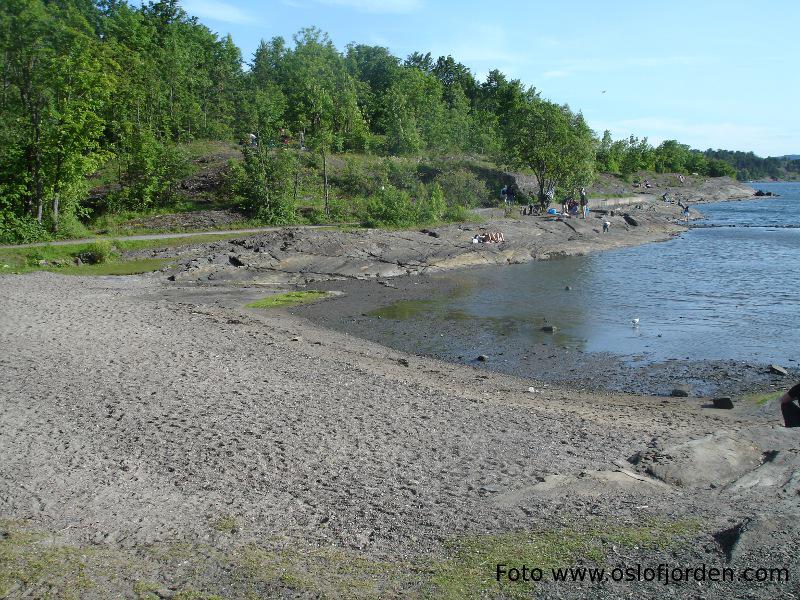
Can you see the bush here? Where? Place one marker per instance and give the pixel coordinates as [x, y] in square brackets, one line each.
[262, 185]
[354, 180]
[457, 213]
[20, 230]
[390, 208]
[152, 172]
[98, 252]
[463, 188]
[401, 174]
[433, 206]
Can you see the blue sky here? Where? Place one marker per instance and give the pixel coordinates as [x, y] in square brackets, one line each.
[721, 74]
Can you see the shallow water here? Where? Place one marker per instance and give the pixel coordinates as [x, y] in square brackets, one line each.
[727, 290]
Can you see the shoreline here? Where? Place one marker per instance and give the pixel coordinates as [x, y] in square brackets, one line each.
[175, 416]
[374, 268]
[201, 446]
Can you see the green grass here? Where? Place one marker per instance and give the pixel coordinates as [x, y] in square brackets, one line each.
[61, 259]
[35, 564]
[470, 572]
[288, 299]
[125, 267]
[761, 398]
[225, 524]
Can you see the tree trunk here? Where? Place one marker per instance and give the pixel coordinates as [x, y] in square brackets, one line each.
[55, 211]
[325, 185]
[296, 181]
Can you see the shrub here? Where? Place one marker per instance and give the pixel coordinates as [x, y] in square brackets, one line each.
[390, 208]
[457, 213]
[432, 207]
[401, 174]
[20, 230]
[463, 188]
[98, 252]
[354, 180]
[262, 185]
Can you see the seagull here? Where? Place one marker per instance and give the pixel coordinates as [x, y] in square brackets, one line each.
[603, 92]
[635, 321]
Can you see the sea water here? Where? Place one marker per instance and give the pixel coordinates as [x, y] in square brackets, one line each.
[727, 289]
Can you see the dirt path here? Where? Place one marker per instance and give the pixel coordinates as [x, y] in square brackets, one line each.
[164, 236]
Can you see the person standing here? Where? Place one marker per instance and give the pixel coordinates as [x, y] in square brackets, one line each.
[686, 213]
[790, 408]
[584, 203]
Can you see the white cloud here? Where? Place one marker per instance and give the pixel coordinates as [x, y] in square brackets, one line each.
[217, 11]
[378, 6]
[568, 67]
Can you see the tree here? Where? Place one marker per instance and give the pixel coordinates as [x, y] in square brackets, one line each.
[671, 157]
[554, 143]
[262, 184]
[56, 81]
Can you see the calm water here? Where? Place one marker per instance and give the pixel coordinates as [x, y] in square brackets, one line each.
[728, 290]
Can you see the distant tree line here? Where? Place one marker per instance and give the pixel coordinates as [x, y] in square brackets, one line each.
[749, 166]
[91, 83]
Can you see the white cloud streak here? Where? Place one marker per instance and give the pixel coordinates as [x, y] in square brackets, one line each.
[377, 6]
[217, 11]
[567, 68]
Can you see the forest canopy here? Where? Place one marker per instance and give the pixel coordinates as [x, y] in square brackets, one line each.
[91, 83]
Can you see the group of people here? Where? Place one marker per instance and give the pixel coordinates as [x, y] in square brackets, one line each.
[572, 208]
[489, 237]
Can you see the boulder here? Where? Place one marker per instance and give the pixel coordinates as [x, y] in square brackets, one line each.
[681, 391]
[723, 402]
[483, 358]
[630, 220]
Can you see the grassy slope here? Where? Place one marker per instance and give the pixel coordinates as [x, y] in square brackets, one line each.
[61, 259]
[209, 159]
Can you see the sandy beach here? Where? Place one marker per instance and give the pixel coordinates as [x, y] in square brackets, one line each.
[160, 440]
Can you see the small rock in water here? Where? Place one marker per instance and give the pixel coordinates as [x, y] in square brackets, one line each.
[723, 402]
[483, 358]
[550, 328]
[777, 369]
[568, 288]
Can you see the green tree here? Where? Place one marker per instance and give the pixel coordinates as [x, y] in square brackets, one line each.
[56, 82]
[262, 184]
[552, 142]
